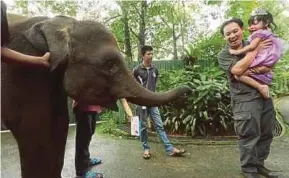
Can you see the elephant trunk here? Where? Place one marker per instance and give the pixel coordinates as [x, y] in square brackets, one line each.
[137, 94]
[149, 98]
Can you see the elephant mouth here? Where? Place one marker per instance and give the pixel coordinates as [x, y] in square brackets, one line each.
[107, 100]
[104, 100]
[111, 105]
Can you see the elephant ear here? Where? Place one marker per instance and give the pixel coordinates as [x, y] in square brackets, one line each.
[52, 35]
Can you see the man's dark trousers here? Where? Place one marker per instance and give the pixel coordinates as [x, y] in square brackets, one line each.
[85, 128]
[254, 124]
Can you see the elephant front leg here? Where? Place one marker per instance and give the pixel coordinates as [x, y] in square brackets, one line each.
[42, 146]
[60, 136]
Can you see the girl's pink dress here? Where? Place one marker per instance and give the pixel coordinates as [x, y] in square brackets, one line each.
[268, 56]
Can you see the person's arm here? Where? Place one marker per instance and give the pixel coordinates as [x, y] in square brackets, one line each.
[253, 45]
[242, 65]
[135, 73]
[227, 62]
[14, 56]
[257, 70]
[261, 69]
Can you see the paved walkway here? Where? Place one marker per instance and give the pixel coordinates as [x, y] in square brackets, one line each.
[122, 159]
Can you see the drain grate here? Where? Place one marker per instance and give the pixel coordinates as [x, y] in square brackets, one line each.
[124, 127]
[279, 127]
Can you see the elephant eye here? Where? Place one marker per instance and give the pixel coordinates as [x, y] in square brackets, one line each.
[109, 64]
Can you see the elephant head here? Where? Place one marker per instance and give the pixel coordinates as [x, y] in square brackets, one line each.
[94, 70]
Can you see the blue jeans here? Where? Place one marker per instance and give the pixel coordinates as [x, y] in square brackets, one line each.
[154, 114]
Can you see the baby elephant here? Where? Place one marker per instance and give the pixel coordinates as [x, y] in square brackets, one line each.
[85, 65]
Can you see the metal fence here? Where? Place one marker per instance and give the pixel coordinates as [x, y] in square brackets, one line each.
[163, 64]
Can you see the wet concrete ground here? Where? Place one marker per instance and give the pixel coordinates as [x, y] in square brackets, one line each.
[123, 159]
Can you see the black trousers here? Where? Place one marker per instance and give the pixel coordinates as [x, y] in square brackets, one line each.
[85, 128]
[254, 124]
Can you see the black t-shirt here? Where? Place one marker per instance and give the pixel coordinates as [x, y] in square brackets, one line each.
[4, 25]
[147, 77]
[240, 92]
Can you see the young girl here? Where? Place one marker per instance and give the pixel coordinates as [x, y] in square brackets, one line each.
[14, 56]
[260, 25]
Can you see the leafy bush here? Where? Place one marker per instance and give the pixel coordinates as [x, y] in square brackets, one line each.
[110, 121]
[206, 111]
[280, 85]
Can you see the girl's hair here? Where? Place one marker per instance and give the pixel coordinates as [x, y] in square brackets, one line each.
[264, 16]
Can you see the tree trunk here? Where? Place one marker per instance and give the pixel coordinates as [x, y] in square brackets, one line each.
[142, 26]
[183, 25]
[175, 43]
[127, 44]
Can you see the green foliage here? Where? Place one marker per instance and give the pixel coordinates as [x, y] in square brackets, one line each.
[168, 79]
[110, 122]
[117, 27]
[108, 127]
[206, 50]
[280, 85]
[32, 8]
[206, 111]
[23, 5]
[62, 8]
[112, 119]
[242, 10]
[160, 19]
[276, 8]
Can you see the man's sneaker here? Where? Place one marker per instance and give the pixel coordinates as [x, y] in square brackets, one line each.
[266, 172]
[251, 174]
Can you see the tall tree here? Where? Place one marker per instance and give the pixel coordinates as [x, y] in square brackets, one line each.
[34, 8]
[127, 44]
[142, 27]
[169, 25]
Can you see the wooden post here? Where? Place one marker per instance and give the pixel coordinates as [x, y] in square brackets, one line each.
[129, 112]
[126, 109]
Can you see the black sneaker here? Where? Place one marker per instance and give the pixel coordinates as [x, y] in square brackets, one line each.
[251, 174]
[266, 172]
